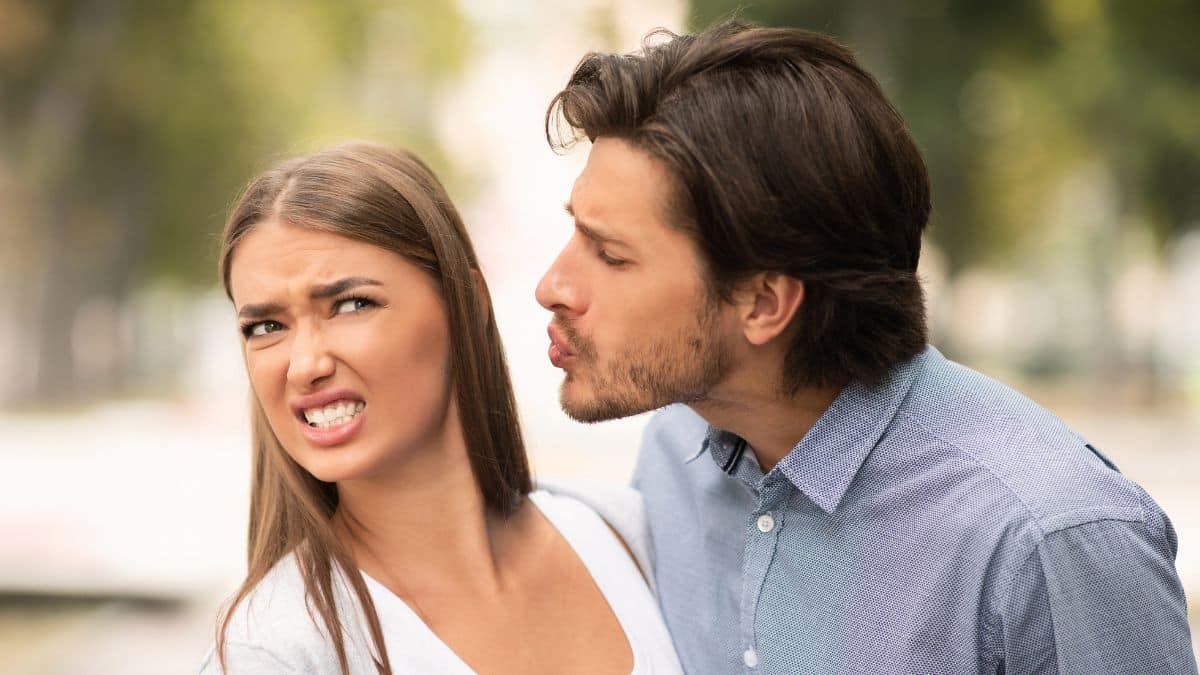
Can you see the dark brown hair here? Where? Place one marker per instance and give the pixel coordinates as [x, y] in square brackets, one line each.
[790, 159]
[388, 198]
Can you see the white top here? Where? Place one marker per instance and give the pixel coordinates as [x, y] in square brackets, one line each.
[271, 631]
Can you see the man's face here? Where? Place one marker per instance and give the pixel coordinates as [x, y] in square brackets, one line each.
[635, 326]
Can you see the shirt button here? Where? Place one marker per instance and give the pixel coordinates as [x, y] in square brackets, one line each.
[766, 523]
[750, 658]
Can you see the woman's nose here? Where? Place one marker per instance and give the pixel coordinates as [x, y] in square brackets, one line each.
[311, 361]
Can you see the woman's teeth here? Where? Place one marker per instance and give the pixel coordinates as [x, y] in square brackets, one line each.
[333, 415]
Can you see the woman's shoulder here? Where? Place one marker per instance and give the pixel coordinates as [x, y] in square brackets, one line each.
[595, 518]
[619, 506]
[601, 497]
[277, 607]
[274, 629]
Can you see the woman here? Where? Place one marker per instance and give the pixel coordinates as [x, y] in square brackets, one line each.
[392, 528]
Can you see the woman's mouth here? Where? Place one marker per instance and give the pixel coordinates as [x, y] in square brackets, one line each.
[333, 415]
[333, 423]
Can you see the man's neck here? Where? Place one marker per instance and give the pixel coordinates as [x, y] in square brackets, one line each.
[770, 422]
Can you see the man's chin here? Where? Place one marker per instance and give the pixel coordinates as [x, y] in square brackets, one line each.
[589, 409]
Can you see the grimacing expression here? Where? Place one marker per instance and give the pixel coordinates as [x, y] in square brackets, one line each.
[346, 347]
[635, 325]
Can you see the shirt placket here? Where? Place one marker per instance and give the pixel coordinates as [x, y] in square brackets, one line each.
[762, 537]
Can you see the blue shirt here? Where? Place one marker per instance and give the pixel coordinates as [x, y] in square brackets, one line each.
[937, 523]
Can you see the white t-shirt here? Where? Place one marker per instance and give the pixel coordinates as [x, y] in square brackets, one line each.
[271, 630]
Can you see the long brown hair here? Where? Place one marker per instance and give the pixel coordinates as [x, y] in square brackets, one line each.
[389, 198]
[789, 158]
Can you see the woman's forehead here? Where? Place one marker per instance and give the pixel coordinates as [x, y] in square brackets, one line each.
[275, 253]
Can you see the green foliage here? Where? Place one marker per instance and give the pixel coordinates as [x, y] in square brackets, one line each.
[191, 98]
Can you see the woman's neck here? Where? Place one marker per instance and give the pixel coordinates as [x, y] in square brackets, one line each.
[422, 525]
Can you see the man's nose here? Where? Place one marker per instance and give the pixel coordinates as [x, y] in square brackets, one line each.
[311, 360]
[559, 290]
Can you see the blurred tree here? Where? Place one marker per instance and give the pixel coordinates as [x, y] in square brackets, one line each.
[126, 127]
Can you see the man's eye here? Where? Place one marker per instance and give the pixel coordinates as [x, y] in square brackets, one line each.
[260, 328]
[351, 305]
[609, 260]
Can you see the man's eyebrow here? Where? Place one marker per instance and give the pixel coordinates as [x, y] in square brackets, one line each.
[590, 231]
[258, 311]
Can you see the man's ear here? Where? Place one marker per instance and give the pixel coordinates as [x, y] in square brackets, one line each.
[483, 301]
[769, 301]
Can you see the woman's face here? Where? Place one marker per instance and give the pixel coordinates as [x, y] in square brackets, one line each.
[346, 346]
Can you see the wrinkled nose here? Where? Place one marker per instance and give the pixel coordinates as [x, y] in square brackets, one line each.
[311, 361]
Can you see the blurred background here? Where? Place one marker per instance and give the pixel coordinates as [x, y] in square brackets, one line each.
[1062, 136]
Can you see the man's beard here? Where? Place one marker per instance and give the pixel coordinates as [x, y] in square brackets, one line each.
[682, 367]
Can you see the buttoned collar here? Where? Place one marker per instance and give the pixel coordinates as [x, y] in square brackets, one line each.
[828, 457]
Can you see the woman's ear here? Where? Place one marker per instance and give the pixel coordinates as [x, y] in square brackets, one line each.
[768, 303]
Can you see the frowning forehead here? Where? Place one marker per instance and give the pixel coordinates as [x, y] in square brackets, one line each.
[623, 194]
[276, 264]
[595, 231]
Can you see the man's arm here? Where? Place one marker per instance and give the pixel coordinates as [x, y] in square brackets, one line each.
[1099, 597]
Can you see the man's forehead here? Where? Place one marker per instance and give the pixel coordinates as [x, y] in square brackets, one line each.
[623, 192]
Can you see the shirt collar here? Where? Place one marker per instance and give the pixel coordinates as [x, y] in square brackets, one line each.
[825, 461]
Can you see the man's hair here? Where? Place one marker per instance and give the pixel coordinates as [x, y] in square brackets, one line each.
[788, 158]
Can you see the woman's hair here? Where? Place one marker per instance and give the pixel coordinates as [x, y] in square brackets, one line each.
[388, 198]
[787, 157]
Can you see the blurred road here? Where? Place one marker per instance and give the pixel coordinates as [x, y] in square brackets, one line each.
[126, 573]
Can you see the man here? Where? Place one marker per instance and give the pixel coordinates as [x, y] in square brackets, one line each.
[833, 495]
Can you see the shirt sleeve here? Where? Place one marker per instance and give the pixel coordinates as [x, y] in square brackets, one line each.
[1100, 597]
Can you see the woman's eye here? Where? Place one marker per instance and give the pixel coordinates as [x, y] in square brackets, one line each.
[351, 305]
[260, 328]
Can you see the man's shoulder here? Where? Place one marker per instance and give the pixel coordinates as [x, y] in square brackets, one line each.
[674, 432]
[1054, 475]
[672, 466]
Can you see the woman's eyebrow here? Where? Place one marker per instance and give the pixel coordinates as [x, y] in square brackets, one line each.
[258, 311]
[340, 286]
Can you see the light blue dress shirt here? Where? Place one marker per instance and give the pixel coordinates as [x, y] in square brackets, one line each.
[938, 523]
